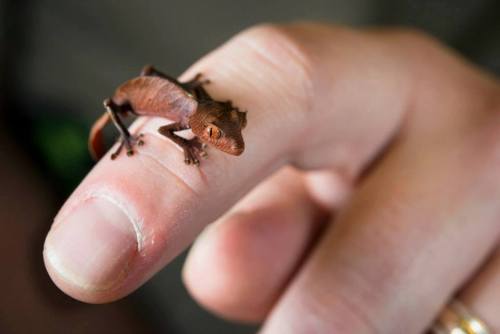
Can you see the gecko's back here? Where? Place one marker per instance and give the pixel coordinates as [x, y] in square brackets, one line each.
[155, 96]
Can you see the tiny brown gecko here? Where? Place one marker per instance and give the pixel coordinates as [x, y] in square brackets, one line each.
[153, 93]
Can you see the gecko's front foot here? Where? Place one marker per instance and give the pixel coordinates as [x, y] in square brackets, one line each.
[193, 150]
[129, 143]
[190, 157]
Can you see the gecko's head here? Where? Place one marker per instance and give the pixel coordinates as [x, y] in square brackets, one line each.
[217, 126]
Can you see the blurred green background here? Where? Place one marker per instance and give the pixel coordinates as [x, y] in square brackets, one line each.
[60, 59]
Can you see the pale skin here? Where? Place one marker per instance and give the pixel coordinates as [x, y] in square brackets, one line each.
[374, 155]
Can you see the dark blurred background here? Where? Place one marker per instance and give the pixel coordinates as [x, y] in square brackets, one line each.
[59, 59]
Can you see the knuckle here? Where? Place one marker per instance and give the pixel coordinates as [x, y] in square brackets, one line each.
[281, 49]
[350, 315]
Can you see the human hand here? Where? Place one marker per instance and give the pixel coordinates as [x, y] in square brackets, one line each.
[390, 207]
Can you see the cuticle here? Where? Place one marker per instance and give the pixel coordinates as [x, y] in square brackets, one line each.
[107, 196]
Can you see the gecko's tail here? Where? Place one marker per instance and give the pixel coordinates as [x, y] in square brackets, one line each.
[96, 140]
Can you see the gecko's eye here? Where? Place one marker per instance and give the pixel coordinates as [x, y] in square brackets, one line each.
[213, 132]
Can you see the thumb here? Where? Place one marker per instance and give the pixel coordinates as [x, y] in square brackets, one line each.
[316, 97]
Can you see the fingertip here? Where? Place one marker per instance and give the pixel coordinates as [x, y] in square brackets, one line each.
[218, 272]
[88, 253]
[239, 266]
[75, 291]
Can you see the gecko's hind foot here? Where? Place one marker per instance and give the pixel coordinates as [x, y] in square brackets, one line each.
[129, 144]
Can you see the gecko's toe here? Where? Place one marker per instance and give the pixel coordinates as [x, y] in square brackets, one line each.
[130, 153]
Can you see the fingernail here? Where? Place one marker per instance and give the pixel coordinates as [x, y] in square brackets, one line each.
[93, 246]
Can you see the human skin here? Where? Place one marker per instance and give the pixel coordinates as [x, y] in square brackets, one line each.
[366, 198]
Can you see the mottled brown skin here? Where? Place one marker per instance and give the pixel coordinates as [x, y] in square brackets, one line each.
[153, 93]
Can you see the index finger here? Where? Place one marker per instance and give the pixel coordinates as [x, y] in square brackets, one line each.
[316, 97]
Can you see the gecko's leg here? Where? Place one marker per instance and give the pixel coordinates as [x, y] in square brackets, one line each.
[126, 139]
[192, 148]
[196, 82]
[193, 86]
[150, 71]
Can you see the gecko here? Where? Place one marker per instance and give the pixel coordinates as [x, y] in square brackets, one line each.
[187, 104]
